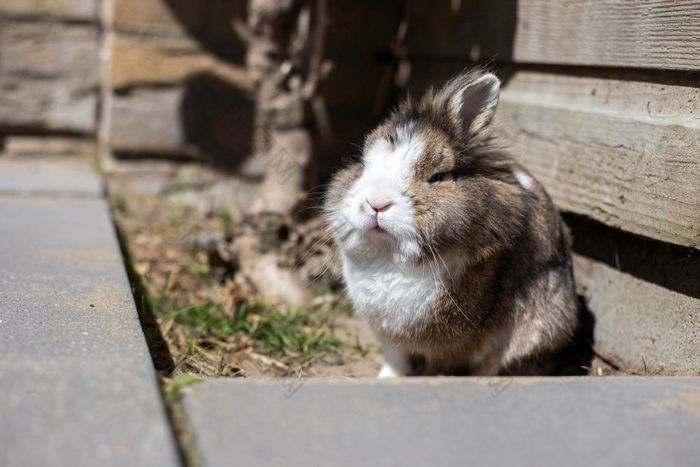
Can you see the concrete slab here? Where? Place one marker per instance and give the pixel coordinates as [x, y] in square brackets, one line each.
[77, 387]
[49, 177]
[448, 421]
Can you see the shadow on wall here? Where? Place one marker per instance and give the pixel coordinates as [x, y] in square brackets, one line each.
[447, 36]
[211, 23]
[217, 120]
[216, 115]
[672, 267]
[444, 37]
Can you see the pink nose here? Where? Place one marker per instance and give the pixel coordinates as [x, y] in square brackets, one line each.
[379, 205]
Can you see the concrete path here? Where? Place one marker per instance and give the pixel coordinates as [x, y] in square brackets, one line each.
[77, 386]
[457, 421]
[49, 177]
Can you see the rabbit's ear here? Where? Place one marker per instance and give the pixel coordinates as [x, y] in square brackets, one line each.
[473, 101]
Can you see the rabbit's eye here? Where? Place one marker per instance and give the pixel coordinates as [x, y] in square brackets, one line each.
[441, 177]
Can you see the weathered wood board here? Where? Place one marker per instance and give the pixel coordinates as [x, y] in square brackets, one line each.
[219, 28]
[211, 24]
[624, 153]
[48, 75]
[138, 61]
[662, 34]
[360, 29]
[158, 17]
[462, 30]
[355, 87]
[42, 147]
[83, 10]
[148, 120]
[207, 117]
[639, 324]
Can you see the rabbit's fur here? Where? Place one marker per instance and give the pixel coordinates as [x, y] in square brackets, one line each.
[451, 251]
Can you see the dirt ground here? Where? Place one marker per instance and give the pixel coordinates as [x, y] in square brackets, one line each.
[177, 221]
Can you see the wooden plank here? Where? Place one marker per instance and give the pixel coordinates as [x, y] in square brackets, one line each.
[359, 29]
[462, 30]
[639, 324]
[641, 34]
[48, 75]
[204, 117]
[159, 17]
[164, 119]
[648, 33]
[51, 105]
[344, 91]
[624, 153]
[46, 49]
[212, 24]
[139, 61]
[148, 121]
[209, 23]
[83, 10]
[31, 147]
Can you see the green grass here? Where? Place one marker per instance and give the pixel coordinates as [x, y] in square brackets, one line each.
[204, 319]
[296, 337]
[120, 206]
[174, 386]
[159, 300]
[226, 222]
[177, 221]
[301, 335]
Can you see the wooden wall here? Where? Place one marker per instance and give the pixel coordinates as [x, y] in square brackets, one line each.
[601, 102]
[177, 78]
[49, 73]
[179, 86]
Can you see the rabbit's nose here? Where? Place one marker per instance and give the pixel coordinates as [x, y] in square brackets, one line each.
[379, 205]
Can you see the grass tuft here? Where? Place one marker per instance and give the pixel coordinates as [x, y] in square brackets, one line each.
[181, 381]
[300, 335]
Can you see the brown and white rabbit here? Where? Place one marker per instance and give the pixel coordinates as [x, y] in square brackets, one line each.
[451, 251]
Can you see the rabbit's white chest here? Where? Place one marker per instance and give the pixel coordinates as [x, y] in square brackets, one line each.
[392, 298]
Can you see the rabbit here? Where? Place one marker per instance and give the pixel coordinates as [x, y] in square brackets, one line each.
[451, 251]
